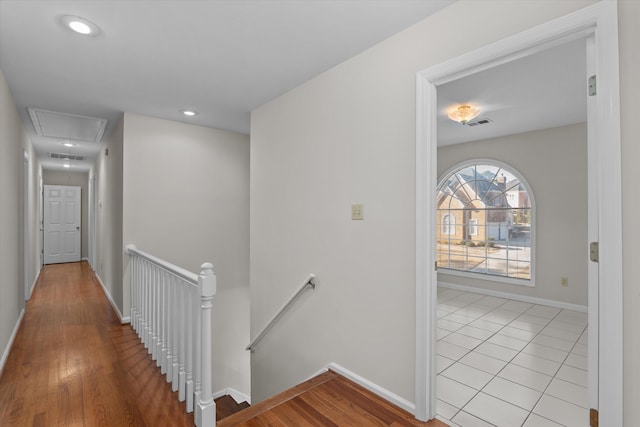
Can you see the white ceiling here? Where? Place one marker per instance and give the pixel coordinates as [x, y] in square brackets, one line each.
[156, 57]
[545, 90]
[226, 58]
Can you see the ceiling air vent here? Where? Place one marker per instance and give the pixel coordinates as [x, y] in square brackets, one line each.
[53, 124]
[478, 122]
[64, 156]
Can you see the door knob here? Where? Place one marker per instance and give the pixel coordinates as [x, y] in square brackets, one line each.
[78, 228]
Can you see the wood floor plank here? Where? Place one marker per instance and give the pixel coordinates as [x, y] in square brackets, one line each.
[73, 363]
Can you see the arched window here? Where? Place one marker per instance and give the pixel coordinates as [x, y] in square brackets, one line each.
[485, 217]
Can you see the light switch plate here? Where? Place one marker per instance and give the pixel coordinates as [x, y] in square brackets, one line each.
[357, 212]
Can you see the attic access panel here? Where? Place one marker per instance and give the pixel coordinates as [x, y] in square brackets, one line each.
[53, 124]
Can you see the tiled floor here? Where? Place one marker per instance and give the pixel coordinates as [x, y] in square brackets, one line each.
[509, 363]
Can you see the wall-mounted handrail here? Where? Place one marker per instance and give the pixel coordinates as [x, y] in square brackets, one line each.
[307, 283]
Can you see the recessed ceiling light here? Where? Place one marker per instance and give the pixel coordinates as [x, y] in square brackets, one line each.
[80, 25]
[189, 113]
[66, 165]
[68, 144]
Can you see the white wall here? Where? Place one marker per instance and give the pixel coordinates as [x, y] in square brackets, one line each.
[14, 144]
[186, 200]
[78, 179]
[348, 136]
[107, 171]
[554, 163]
[629, 27]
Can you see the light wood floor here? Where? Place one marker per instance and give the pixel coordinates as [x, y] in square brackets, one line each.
[326, 400]
[73, 364]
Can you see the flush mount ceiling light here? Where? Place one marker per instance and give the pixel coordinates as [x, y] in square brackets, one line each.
[66, 165]
[68, 144]
[79, 25]
[189, 113]
[463, 114]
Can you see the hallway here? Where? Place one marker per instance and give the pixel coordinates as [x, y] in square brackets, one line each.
[73, 363]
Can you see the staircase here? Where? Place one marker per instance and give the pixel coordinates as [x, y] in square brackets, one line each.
[227, 406]
[328, 399]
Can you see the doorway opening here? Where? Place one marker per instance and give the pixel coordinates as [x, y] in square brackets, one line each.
[600, 23]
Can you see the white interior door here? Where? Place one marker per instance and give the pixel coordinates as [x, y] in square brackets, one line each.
[62, 222]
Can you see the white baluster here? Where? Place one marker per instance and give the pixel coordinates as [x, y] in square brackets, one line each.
[162, 359]
[197, 351]
[175, 328]
[183, 331]
[207, 289]
[190, 332]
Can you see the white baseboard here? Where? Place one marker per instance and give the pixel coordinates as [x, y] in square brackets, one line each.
[516, 297]
[33, 285]
[12, 338]
[235, 394]
[123, 319]
[372, 387]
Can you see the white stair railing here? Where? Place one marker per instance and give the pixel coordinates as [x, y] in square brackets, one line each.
[171, 311]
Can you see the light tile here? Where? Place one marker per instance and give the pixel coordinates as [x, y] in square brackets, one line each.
[467, 375]
[472, 311]
[453, 393]
[543, 311]
[573, 375]
[462, 340]
[496, 351]
[570, 392]
[525, 377]
[526, 325]
[519, 395]
[467, 420]
[560, 334]
[460, 318]
[537, 421]
[534, 319]
[496, 411]
[521, 334]
[500, 317]
[580, 349]
[562, 412]
[441, 333]
[558, 324]
[553, 342]
[584, 338]
[573, 317]
[450, 351]
[509, 342]
[577, 361]
[445, 410]
[545, 352]
[483, 362]
[449, 325]
[491, 302]
[516, 306]
[468, 298]
[474, 332]
[486, 325]
[447, 307]
[443, 363]
[538, 364]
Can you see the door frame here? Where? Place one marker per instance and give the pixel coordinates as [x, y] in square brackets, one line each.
[26, 228]
[599, 21]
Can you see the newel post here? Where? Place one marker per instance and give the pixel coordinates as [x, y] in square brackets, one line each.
[206, 409]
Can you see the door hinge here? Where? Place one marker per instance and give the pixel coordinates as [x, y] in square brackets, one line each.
[436, 266]
[593, 417]
[594, 251]
[593, 90]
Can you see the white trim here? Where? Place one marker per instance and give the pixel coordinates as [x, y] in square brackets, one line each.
[7, 350]
[372, 387]
[123, 320]
[488, 277]
[600, 20]
[35, 282]
[516, 297]
[239, 397]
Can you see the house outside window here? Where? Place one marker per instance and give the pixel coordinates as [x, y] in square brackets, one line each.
[485, 212]
[449, 225]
